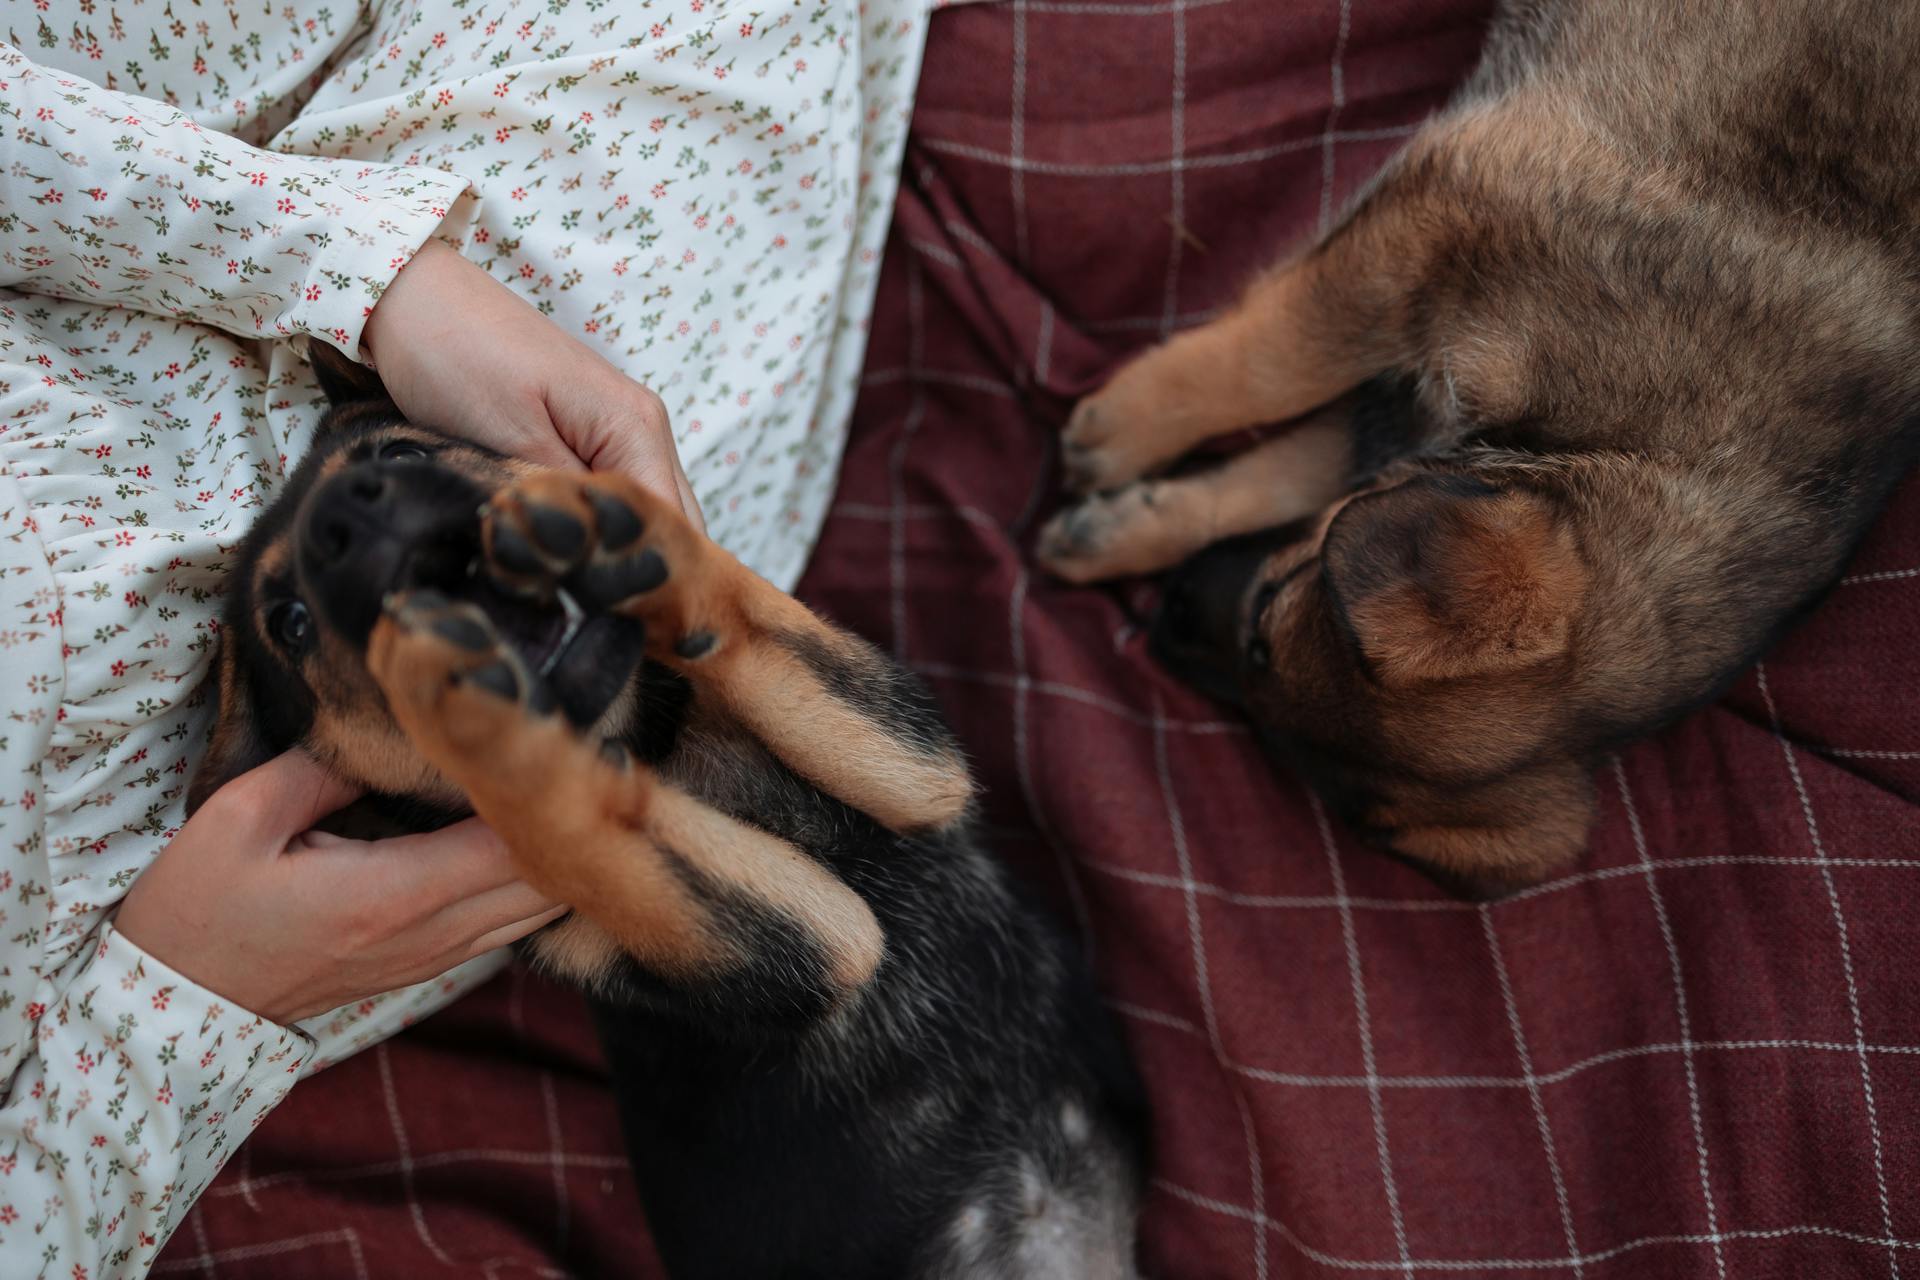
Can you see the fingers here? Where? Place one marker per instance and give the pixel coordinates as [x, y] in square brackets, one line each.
[688, 503]
[513, 931]
[449, 865]
[280, 799]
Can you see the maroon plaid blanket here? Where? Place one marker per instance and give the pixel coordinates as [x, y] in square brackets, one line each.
[1699, 1055]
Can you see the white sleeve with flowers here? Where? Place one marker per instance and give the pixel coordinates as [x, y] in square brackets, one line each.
[124, 201]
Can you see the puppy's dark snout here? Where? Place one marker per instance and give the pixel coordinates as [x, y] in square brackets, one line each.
[331, 537]
[367, 482]
[365, 525]
[1198, 629]
[349, 509]
[1181, 617]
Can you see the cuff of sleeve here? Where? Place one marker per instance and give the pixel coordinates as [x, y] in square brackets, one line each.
[390, 212]
[214, 1068]
[147, 1084]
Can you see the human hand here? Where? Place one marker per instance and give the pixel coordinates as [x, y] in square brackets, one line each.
[287, 922]
[459, 351]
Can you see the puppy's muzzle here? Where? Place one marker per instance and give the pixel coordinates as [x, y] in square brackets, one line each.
[1199, 629]
[375, 525]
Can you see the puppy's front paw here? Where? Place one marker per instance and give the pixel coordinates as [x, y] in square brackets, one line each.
[449, 680]
[615, 548]
[1093, 449]
[1138, 529]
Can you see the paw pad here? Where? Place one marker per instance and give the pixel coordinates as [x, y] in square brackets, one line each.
[557, 533]
[608, 582]
[620, 525]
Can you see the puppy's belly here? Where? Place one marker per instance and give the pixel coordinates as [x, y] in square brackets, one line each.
[576, 948]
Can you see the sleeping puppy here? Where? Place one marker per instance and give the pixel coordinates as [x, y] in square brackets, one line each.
[1603, 376]
[844, 1045]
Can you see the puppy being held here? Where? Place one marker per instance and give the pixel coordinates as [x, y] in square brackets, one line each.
[844, 1045]
[1603, 378]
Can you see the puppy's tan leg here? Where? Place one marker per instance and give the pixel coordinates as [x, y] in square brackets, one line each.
[1304, 334]
[1154, 524]
[672, 882]
[828, 705]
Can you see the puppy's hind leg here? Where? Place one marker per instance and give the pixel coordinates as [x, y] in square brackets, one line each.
[829, 705]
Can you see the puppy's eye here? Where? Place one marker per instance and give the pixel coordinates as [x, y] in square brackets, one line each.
[1264, 597]
[401, 451]
[1259, 652]
[291, 627]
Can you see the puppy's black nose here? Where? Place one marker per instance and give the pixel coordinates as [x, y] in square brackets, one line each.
[364, 526]
[348, 509]
[368, 482]
[1197, 631]
[1180, 619]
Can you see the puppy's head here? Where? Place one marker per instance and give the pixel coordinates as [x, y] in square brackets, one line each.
[1412, 648]
[378, 505]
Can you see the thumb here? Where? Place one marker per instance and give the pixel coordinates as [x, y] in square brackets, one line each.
[626, 429]
[288, 794]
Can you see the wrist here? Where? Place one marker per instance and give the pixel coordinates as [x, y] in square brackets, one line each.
[417, 296]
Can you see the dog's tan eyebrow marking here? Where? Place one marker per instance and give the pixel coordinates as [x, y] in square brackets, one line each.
[271, 564]
[330, 467]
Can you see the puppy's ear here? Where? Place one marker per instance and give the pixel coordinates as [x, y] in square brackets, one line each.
[1444, 577]
[345, 381]
[237, 744]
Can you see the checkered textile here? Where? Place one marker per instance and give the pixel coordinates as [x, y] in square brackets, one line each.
[1698, 1055]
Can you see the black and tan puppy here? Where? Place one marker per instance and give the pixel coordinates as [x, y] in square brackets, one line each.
[1606, 374]
[843, 1044]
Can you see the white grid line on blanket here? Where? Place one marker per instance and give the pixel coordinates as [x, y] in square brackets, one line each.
[1560, 1075]
[897, 459]
[1534, 1099]
[1177, 232]
[405, 1161]
[1083, 8]
[936, 378]
[1196, 936]
[1682, 1014]
[1883, 575]
[1469, 1265]
[1017, 134]
[1350, 938]
[432, 1160]
[1337, 101]
[198, 1221]
[272, 1249]
[1846, 963]
[562, 1211]
[1316, 902]
[1222, 160]
[1023, 761]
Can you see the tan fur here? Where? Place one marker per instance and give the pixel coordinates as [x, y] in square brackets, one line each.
[577, 948]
